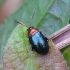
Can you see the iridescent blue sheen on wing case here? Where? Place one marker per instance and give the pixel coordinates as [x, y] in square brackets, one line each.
[38, 41]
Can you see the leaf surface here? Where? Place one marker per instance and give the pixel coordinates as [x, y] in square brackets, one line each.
[17, 54]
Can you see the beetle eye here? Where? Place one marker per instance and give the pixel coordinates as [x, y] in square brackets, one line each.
[32, 27]
[29, 29]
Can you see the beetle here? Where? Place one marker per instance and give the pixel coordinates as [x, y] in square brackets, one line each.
[38, 41]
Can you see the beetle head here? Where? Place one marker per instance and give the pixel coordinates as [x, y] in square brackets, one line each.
[31, 31]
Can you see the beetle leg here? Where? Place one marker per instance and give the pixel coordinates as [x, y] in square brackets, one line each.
[31, 48]
[46, 38]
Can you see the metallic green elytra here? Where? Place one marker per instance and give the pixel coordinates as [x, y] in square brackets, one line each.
[38, 41]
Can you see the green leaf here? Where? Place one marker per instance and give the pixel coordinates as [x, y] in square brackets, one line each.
[50, 16]
[30, 65]
[0, 67]
[18, 56]
[5, 31]
[66, 54]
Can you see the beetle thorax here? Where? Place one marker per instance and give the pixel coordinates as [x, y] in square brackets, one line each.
[32, 31]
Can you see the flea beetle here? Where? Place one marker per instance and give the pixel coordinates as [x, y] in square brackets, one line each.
[38, 41]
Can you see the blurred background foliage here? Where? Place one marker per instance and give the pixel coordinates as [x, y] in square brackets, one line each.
[1, 1]
[49, 16]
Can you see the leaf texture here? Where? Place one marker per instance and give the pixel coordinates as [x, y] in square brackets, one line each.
[17, 54]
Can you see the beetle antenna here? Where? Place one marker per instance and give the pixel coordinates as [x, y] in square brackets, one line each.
[18, 22]
[32, 16]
